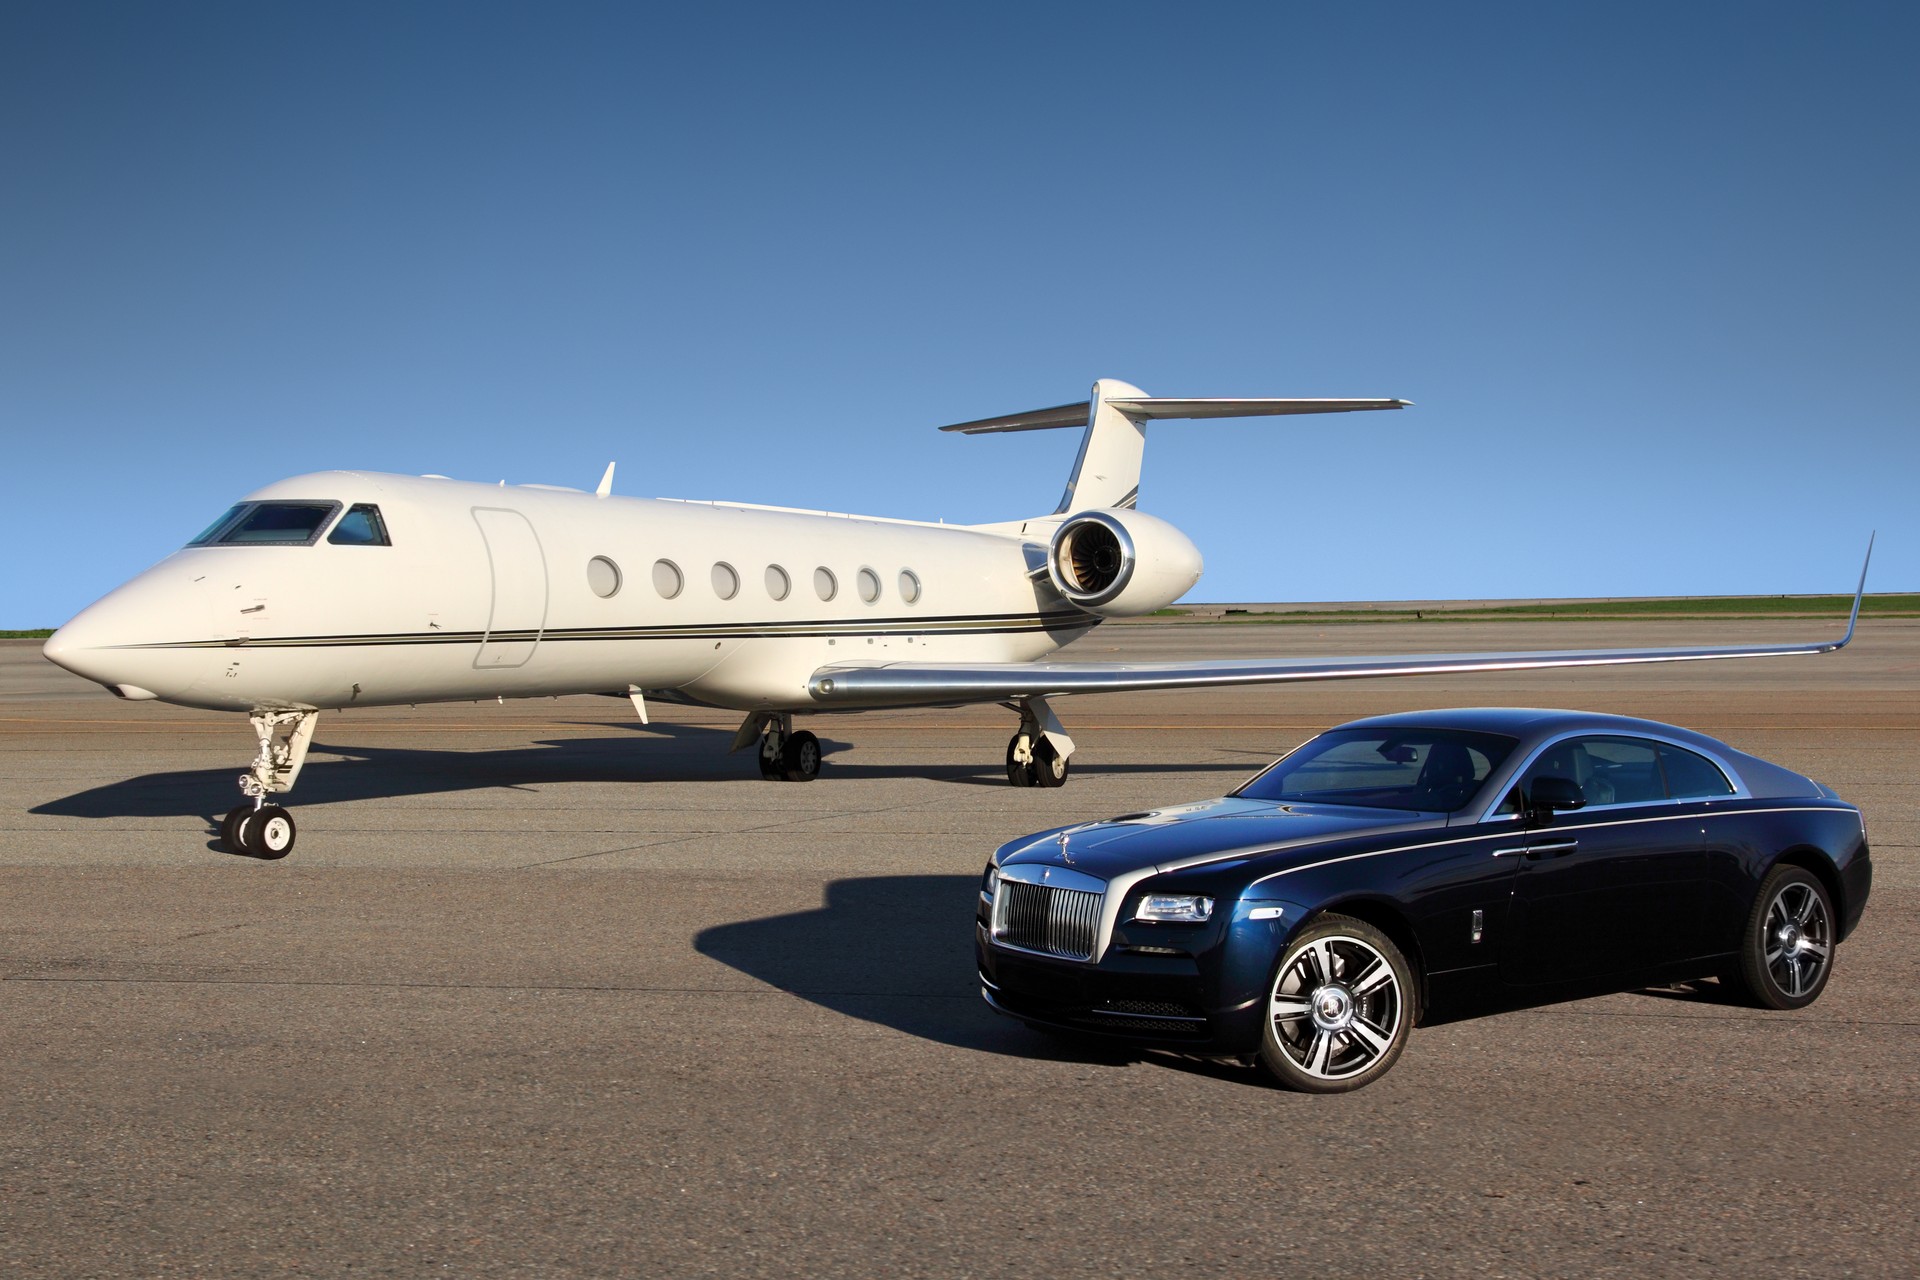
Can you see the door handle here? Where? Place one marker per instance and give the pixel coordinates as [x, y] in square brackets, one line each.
[1553, 849]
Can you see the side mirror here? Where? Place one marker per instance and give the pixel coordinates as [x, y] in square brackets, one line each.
[1548, 795]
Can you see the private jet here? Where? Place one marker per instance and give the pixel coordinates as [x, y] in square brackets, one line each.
[361, 589]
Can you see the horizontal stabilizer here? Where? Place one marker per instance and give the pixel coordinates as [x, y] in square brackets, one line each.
[1141, 408]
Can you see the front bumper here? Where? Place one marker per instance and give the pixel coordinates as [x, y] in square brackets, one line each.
[1161, 1000]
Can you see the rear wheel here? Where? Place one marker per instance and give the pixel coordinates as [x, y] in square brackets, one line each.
[1786, 953]
[1339, 1009]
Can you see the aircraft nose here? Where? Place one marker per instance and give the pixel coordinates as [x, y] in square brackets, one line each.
[90, 647]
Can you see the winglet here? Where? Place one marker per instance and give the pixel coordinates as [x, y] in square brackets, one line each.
[606, 483]
[1860, 592]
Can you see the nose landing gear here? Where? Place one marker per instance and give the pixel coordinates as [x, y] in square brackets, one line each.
[257, 828]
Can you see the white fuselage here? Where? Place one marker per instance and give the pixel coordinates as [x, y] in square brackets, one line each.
[486, 591]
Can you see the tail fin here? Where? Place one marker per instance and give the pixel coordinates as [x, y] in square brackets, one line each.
[1107, 472]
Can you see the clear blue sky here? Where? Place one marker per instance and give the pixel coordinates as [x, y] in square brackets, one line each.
[1648, 270]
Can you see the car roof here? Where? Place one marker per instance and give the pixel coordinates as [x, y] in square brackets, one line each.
[1529, 724]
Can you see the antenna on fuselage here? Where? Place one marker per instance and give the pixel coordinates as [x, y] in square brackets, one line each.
[606, 483]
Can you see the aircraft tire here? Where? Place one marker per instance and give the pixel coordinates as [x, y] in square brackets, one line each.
[1049, 766]
[1019, 773]
[800, 758]
[269, 833]
[230, 828]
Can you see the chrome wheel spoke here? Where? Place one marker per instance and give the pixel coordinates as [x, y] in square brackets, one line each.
[1818, 949]
[1373, 977]
[1807, 905]
[1775, 955]
[1365, 1035]
[1322, 955]
[1320, 1053]
[1288, 1008]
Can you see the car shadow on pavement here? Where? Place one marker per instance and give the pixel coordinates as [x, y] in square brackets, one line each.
[896, 951]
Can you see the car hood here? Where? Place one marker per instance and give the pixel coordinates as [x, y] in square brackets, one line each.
[1189, 833]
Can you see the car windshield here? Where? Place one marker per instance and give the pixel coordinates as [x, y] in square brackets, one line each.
[1422, 770]
[283, 524]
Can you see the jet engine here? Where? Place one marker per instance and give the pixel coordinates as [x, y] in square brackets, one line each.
[1119, 563]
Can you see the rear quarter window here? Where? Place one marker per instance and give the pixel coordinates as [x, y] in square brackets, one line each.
[1692, 777]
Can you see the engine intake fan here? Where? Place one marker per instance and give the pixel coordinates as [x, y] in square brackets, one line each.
[1120, 562]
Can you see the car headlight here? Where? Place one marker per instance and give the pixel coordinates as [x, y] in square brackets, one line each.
[1174, 908]
[988, 881]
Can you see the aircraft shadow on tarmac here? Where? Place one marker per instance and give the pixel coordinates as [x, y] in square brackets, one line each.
[896, 951]
[637, 754]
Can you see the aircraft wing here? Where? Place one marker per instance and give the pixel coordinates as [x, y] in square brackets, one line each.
[900, 684]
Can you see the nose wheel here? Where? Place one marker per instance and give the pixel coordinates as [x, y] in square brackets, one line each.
[264, 832]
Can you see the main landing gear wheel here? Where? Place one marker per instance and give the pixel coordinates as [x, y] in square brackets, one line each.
[1786, 954]
[268, 832]
[770, 766]
[1340, 1007]
[1047, 768]
[800, 757]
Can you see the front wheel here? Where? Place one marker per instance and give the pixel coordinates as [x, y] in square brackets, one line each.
[1787, 950]
[268, 833]
[1342, 1002]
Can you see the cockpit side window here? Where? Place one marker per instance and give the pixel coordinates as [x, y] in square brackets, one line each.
[360, 527]
[269, 524]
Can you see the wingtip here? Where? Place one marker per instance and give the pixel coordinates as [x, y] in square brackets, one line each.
[1859, 592]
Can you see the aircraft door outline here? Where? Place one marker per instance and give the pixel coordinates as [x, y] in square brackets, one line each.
[517, 569]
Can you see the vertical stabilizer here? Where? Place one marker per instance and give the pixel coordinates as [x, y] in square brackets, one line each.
[1107, 472]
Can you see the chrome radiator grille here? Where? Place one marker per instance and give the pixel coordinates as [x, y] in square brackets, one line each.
[1038, 917]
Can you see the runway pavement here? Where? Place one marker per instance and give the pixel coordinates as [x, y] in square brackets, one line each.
[546, 992]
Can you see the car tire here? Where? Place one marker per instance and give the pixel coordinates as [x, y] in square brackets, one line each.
[1339, 1007]
[1786, 952]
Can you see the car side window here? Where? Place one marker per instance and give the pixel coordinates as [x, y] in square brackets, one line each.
[1692, 777]
[1608, 770]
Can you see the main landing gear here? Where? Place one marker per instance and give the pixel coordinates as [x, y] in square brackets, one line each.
[785, 756]
[257, 828]
[1038, 752]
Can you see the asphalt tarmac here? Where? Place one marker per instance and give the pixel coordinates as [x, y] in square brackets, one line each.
[546, 992]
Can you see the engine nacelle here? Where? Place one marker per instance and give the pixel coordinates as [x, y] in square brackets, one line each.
[1120, 563]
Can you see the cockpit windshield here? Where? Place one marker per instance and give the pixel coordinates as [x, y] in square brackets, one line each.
[274, 524]
[1425, 770]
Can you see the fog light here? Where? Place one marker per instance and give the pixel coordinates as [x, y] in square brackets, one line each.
[1174, 908]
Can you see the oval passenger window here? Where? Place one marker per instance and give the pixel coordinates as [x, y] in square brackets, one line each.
[778, 584]
[603, 575]
[726, 583]
[825, 585]
[666, 579]
[869, 585]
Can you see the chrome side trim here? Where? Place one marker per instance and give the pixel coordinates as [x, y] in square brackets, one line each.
[1436, 844]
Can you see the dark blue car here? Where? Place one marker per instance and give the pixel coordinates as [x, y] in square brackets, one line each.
[1414, 868]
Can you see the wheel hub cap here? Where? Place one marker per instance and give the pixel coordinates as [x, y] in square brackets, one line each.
[1332, 1008]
